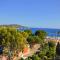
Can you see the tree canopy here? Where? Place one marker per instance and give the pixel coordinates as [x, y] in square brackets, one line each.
[33, 39]
[41, 33]
[10, 37]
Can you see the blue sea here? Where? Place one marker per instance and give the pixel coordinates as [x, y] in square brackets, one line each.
[50, 32]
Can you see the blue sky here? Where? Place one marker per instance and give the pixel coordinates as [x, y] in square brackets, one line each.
[31, 13]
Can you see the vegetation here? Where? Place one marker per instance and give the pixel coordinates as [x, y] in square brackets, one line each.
[13, 40]
[42, 34]
[33, 39]
[28, 31]
[11, 25]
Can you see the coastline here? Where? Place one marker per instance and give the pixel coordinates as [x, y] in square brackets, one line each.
[53, 37]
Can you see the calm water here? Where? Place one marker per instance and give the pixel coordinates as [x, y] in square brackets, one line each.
[51, 32]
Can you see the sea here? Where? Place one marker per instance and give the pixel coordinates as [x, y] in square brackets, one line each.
[50, 31]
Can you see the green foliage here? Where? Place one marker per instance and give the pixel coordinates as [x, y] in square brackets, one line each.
[41, 34]
[21, 59]
[11, 25]
[52, 50]
[25, 34]
[36, 57]
[28, 31]
[28, 58]
[45, 58]
[33, 39]
[11, 38]
[48, 51]
[51, 44]
[42, 54]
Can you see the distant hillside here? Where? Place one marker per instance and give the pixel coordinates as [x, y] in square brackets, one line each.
[50, 31]
[20, 27]
[11, 25]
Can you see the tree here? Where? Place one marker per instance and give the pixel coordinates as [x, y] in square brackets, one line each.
[51, 44]
[42, 34]
[52, 49]
[24, 34]
[33, 39]
[42, 54]
[36, 57]
[28, 31]
[50, 53]
[11, 38]
[21, 59]
[28, 58]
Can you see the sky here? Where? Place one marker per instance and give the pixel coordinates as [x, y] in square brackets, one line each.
[31, 13]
